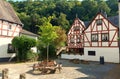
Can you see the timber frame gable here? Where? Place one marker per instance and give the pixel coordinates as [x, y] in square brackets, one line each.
[101, 33]
[75, 34]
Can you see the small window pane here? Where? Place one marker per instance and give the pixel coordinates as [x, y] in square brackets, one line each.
[105, 37]
[11, 49]
[76, 28]
[78, 39]
[10, 27]
[99, 22]
[94, 37]
[91, 53]
[72, 40]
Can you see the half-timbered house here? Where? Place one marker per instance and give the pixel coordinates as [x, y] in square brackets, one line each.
[98, 39]
[75, 40]
[75, 36]
[10, 26]
[101, 39]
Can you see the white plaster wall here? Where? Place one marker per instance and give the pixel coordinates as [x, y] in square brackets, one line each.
[72, 56]
[110, 55]
[3, 47]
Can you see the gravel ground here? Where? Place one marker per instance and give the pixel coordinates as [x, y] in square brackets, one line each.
[93, 70]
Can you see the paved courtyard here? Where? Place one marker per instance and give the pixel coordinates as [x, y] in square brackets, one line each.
[93, 70]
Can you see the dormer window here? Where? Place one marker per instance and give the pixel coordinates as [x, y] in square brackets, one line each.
[99, 21]
[76, 28]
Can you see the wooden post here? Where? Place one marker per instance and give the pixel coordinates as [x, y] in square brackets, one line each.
[5, 74]
[22, 76]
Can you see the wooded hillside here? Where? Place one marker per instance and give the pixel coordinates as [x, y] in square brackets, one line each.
[33, 13]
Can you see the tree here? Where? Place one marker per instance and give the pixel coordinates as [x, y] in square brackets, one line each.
[113, 5]
[61, 21]
[47, 34]
[62, 37]
[23, 44]
[25, 19]
[104, 7]
[89, 8]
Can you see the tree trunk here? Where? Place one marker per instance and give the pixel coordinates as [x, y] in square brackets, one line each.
[47, 53]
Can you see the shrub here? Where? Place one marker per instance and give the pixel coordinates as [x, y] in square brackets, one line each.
[31, 56]
[23, 44]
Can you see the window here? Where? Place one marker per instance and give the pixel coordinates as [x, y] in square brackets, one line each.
[105, 37]
[99, 22]
[92, 53]
[78, 39]
[94, 37]
[76, 28]
[11, 49]
[72, 39]
[10, 27]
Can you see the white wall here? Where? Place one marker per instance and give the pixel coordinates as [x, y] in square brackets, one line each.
[6, 35]
[4, 46]
[110, 55]
[72, 56]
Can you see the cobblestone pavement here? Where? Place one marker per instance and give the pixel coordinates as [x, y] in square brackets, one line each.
[93, 70]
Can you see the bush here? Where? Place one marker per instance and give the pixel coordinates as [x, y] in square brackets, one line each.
[31, 56]
[22, 45]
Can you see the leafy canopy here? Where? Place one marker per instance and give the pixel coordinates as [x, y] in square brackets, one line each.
[47, 34]
[23, 42]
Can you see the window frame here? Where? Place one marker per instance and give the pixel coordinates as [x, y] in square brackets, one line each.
[10, 49]
[92, 53]
[95, 37]
[78, 38]
[76, 28]
[99, 22]
[9, 27]
[104, 37]
[72, 39]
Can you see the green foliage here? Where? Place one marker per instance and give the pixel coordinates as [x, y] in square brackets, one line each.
[32, 13]
[62, 37]
[43, 54]
[23, 45]
[31, 56]
[47, 34]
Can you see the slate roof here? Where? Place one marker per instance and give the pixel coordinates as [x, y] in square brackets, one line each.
[28, 33]
[7, 13]
[86, 23]
[114, 20]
